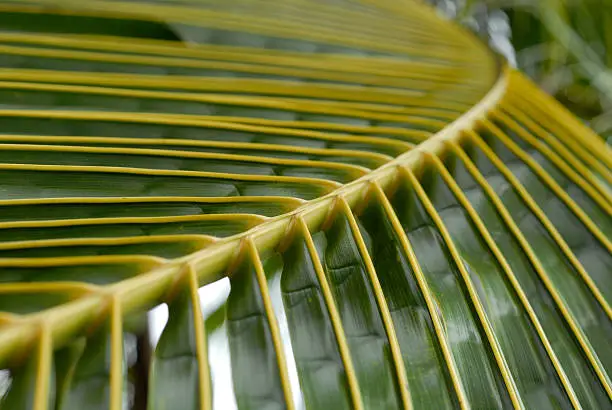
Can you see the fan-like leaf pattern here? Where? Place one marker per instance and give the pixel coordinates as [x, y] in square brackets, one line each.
[345, 204]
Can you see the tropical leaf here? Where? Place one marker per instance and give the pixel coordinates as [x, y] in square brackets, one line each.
[563, 46]
[347, 204]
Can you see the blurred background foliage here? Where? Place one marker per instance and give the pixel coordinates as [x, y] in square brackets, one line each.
[563, 45]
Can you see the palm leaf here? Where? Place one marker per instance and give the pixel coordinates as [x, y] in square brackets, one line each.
[344, 204]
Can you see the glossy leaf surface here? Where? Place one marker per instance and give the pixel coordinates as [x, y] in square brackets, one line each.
[317, 205]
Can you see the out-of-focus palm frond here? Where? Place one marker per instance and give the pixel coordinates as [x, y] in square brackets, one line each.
[563, 46]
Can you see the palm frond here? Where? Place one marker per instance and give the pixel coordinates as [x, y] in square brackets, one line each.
[403, 220]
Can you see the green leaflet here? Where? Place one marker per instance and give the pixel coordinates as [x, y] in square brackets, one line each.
[114, 228]
[591, 253]
[573, 291]
[57, 23]
[66, 360]
[90, 385]
[73, 183]
[174, 376]
[163, 249]
[176, 162]
[322, 376]
[364, 159]
[23, 301]
[584, 382]
[480, 376]
[189, 128]
[94, 273]
[535, 377]
[137, 207]
[250, 341]
[95, 99]
[26, 380]
[359, 313]
[428, 379]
